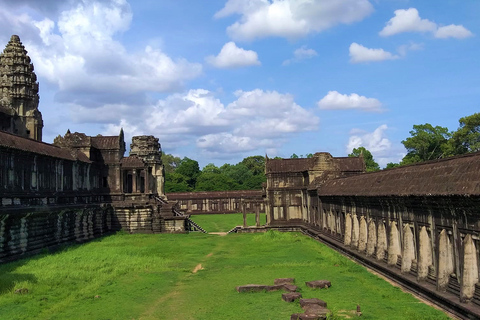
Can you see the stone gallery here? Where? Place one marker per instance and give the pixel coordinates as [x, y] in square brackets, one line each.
[418, 224]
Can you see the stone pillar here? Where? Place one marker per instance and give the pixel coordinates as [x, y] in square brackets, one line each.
[134, 181]
[470, 269]
[355, 231]
[381, 241]
[244, 211]
[147, 186]
[408, 249]
[348, 230]
[445, 261]
[362, 239]
[372, 238]
[393, 245]
[425, 254]
[257, 215]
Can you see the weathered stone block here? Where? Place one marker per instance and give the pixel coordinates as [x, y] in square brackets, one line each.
[319, 284]
[290, 287]
[252, 288]
[284, 281]
[304, 316]
[306, 302]
[291, 296]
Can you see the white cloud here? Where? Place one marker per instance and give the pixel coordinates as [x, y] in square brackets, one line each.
[290, 18]
[359, 53]
[453, 31]
[256, 119]
[232, 56]
[409, 21]
[300, 54]
[80, 55]
[337, 101]
[377, 143]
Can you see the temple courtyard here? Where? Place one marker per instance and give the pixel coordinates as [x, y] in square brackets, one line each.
[193, 276]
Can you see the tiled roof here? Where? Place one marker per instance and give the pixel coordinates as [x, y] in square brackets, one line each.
[105, 142]
[288, 165]
[9, 140]
[132, 162]
[350, 163]
[451, 176]
[214, 194]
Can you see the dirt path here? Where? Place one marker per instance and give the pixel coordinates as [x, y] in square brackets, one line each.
[218, 233]
[179, 287]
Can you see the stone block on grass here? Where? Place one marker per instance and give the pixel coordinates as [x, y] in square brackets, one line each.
[291, 296]
[304, 316]
[290, 287]
[319, 284]
[305, 302]
[252, 288]
[284, 281]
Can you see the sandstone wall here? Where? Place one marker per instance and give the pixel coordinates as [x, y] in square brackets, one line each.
[29, 230]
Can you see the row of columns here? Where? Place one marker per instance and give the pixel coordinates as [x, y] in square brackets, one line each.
[410, 251]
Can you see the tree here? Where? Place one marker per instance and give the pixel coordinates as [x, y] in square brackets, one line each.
[256, 164]
[170, 162]
[294, 156]
[370, 164]
[211, 168]
[239, 173]
[189, 168]
[467, 137]
[210, 181]
[392, 165]
[175, 182]
[426, 143]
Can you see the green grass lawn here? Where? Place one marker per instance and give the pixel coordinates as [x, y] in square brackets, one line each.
[225, 222]
[150, 277]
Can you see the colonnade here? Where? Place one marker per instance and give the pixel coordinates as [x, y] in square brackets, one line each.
[444, 255]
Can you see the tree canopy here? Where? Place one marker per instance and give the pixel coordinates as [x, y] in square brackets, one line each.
[426, 143]
[370, 164]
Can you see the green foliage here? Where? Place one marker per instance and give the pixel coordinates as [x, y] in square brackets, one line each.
[370, 164]
[190, 170]
[426, 143]
[176, 182]
[211, 181]
[467, 137]
[170, 162]
[143, 276]
[294, 156]
[256, 164]
[392, 165]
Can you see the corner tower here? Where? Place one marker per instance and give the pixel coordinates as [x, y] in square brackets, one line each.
[19, 92]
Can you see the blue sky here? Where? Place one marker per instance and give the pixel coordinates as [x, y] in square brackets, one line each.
[220, 80]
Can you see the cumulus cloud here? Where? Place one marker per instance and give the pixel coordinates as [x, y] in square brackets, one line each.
[409, 21]
[377, 142]
[453, 31]
[290, 18]
[256, 119]
[359, 53]
[337, 101]
[78, 53]
[300, 54]
[232, 56]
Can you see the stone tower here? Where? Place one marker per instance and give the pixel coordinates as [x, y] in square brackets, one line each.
[19, 92]
[149, 150]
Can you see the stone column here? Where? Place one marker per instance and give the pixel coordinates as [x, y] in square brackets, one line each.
[244, 211]
[134, 181]
[147, 187]
[257, 214]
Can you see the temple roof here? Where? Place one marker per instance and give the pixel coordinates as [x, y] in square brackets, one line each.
[12, 141]
[106, 142]
[214, 194]
[132, 162]
[344, 164]
[451, 176]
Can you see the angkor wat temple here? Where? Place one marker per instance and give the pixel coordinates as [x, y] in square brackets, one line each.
[419, 225]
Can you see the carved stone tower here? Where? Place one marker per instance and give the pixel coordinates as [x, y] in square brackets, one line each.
[149, 150]
[19, 92]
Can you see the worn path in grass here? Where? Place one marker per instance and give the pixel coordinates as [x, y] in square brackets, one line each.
[151, 277]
